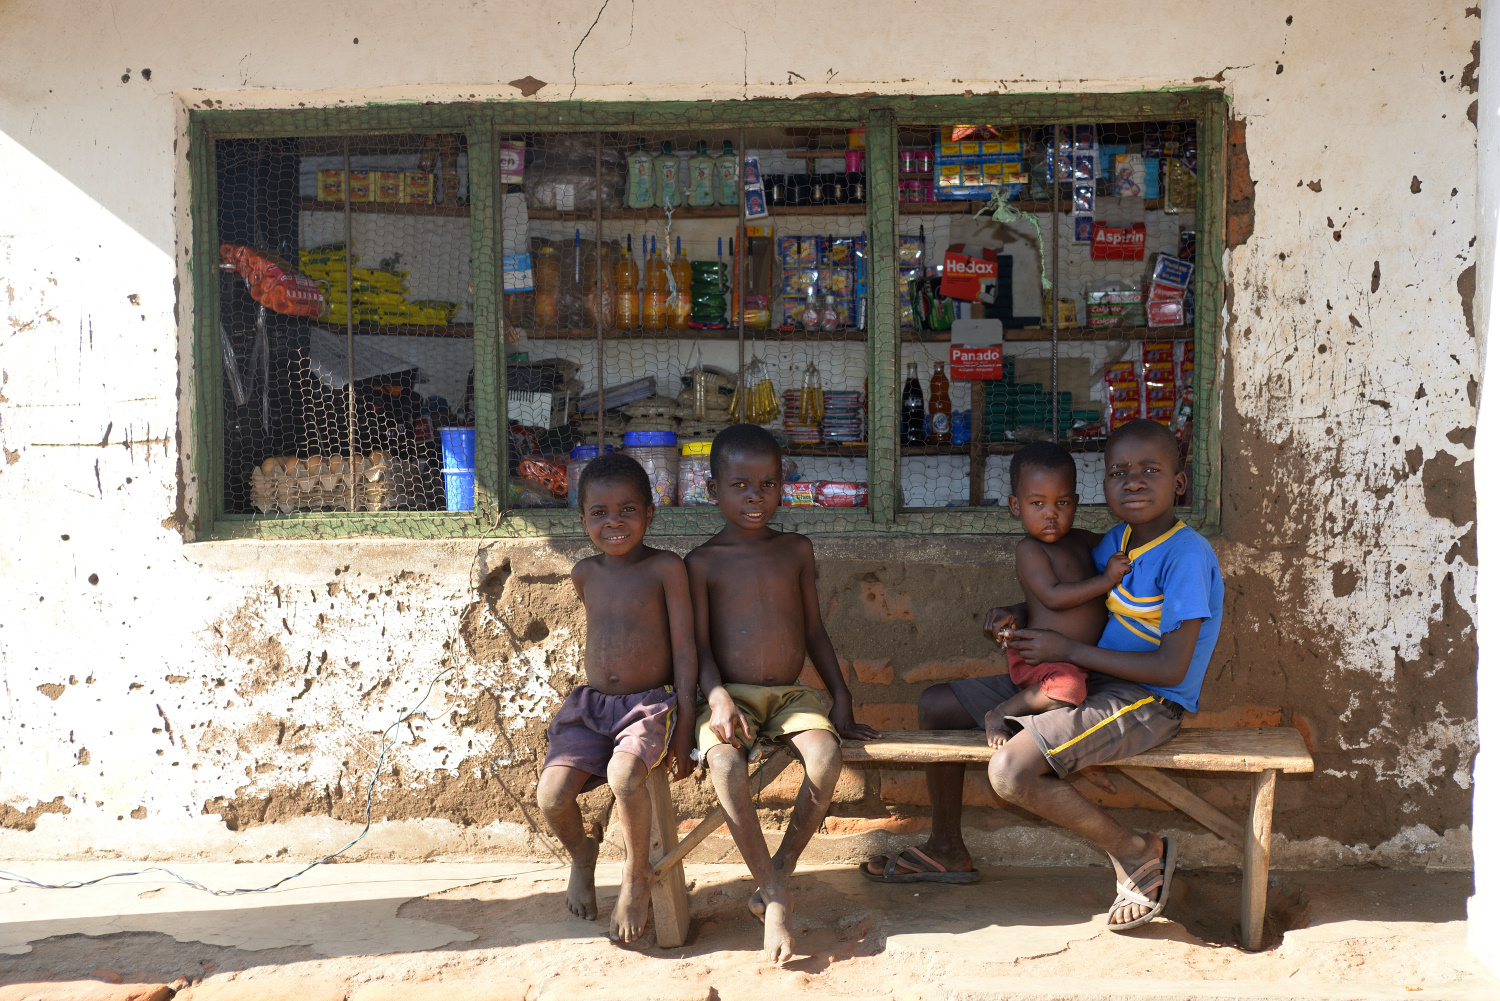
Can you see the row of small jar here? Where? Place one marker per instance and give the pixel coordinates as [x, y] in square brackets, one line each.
[678, 473]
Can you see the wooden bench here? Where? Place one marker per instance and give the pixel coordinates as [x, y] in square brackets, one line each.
[1260, 752]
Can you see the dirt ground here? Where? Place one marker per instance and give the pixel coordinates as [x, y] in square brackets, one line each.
[496, 930]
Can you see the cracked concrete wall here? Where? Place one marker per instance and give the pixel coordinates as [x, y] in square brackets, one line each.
[173, 699]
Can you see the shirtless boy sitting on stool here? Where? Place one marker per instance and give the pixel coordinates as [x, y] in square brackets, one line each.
[755, 602]
[643, 674]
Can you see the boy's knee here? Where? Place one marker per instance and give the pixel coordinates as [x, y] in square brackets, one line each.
[627, 774]
[721, 758]
[822, 757]
[933, 707]
[1006, 777]
[551, 791]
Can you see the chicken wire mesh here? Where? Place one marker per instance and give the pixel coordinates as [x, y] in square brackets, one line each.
[703, 311]
[1089, 229]
[346, 321]
[660, 284]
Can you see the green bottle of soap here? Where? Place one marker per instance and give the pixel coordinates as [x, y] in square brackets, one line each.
[727, 176]
[700, 178]
[668, 177]
[640, 178]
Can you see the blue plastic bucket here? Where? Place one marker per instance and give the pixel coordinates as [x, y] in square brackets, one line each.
[458, 467]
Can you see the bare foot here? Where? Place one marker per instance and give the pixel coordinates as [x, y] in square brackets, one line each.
[581, 899]
[757, 902]
[779, 942]
[628, 922]
[1129, 912]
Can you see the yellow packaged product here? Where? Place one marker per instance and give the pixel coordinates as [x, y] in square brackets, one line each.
[361, 185]
[416, 187]
[330, 185]
[386, 185]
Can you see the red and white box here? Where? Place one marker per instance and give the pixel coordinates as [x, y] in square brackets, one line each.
[1116, 243]
[972, 274]
[975, 350]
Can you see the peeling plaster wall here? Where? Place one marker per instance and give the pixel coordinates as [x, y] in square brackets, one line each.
[227, 699]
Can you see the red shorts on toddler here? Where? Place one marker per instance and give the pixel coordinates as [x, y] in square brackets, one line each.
[591, 726]
[1063, 682]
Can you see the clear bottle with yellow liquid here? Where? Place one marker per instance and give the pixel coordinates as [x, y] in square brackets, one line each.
[654, 301]
[627, 290]
[680, 299]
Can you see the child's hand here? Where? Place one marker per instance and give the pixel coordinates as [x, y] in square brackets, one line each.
[1000, 619]
[994, 729]
[1040, 646]
[726, 717]
[1117, 567]
[842, 718]
[681, 750]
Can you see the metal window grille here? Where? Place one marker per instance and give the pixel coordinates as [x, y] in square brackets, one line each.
[414, 316]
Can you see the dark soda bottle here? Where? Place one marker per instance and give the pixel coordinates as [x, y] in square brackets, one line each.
[913, 409]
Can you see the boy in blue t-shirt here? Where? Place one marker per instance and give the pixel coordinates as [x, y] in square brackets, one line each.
[1164, 619]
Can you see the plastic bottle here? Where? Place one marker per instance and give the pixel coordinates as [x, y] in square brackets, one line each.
[830, 315]
[913, 410]
[627, 290]
[939, 409]
[680, 299]
[654, 301]
[668, 171]
[548, 285]
[700, 177]
[812, 315]
[640, 178]
[727, 176]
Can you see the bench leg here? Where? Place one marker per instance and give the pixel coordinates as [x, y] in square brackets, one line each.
[669, 901]
[1257, 868]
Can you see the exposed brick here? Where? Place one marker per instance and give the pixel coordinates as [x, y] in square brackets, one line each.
[874, 672]
[909, 787]
[443, 990]
[944, 670]
[1248, 714]
[863, 825]
[618, 988]
[782, 791]
[888, 715]
[812, 679]
[84, 990]
[267, 989]
[1240, 185]
[1237, 131]
[1305, 727]
[1239, 226]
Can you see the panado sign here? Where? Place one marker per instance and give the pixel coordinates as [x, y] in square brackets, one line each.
[966, 363]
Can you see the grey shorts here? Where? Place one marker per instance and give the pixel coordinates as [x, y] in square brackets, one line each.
[1116, 720]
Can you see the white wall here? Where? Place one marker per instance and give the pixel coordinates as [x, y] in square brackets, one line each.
[96, 391]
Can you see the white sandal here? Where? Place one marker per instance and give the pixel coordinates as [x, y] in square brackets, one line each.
[1134, 889]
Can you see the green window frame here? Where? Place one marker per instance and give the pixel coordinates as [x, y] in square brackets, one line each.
[881, 116]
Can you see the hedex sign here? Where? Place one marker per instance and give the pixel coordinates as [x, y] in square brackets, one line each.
[970, 277]
[967, 362]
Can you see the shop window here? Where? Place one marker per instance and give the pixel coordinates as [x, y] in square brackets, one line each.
[420, 321]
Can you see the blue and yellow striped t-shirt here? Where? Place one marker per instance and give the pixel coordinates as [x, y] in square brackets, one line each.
[1172, 578]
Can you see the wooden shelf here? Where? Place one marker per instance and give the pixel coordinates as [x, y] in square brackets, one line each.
[859, 451]
[1013, 335]
[1100, 334]
[777, 211]
[388, 208]
[402, 329]
[728, 334]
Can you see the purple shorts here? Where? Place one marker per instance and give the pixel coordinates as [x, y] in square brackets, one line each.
[591, 727]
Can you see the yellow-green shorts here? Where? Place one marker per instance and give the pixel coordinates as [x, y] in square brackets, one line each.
[773, 711]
